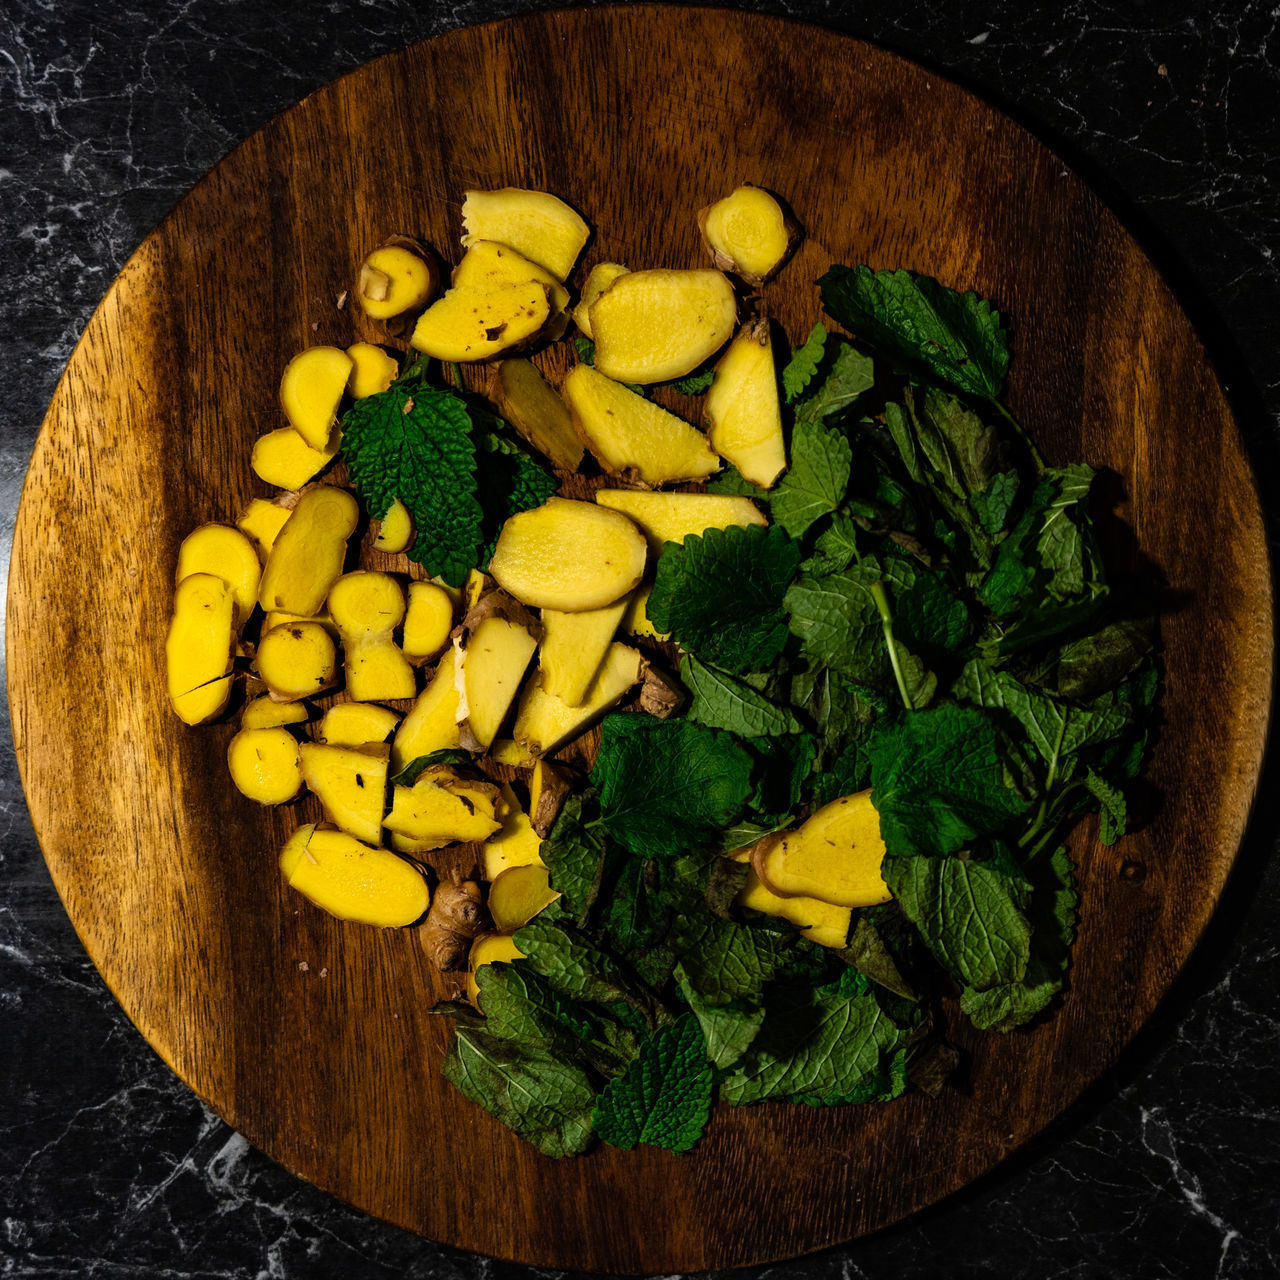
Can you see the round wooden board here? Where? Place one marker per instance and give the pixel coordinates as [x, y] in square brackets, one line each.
[311, 1037]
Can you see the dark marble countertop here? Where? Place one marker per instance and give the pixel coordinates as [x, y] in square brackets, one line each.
[109, 1166]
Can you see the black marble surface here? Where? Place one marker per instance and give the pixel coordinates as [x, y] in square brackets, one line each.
[109, 1167]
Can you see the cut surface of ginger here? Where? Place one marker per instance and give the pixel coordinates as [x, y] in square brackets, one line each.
[366, 607]
[225, 553]
[472, 324]
[652, 326]
[267, 713]
[357, 724]
[497, 643]
[427, 621]
[311, 389]
[545, 722]
[372, 370]
[296, 660]
[261, 522]
[574, 647]
[742, 411]
[307, 557]
[748, 233]
[394, 279]
[284, 459]
[821, 922]
[200, 647]
[350, 784]
[352, 881]
[489, 948]
[537, 413]
[602, 275]
[518, 894]
[635, 620]
[633, 437]
[432, 722]
[672, 517]
[395, 529]
[515, 843]
[490, 265]
[432, 814]
[536, 224]
[265, 765]
[568, 555]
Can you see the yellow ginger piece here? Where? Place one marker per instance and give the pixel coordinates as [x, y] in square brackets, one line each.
[428, 620]
[518, 894]
[534, 223]
[515, 843]
[672, 517]
[296, 660]
[472, 324]
[633, 437]
[311, 389]
[748, 233]
[652, 326]
[226, 553]
[574, 647]
[821, 922]
[488, 265]
[350, 784]
[284, 459]
[439, 809]
[352, 881]
[267, 713]
[602, 275]
[742, 412]
[635, 621]
[200, 647]
[509, 752]
[432, 723]
[367, 607]
[265, 765]
[489, 948]
[397, 278]
[278, 618]
[537, 413]
[372, 370]
[568, 555]
[396, 531]
[261, 523]
[497, 641]
[357, 724]
[545, 723]
[308, 553]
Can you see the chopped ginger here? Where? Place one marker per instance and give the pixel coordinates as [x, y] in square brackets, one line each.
[227, 554]
[474, 324]
[265, 765]
[748, 233]
[537, 413]
[743, 415]
[199, 647]
[602, 275]
[534, 223]
[372, 370]
[311, 390]
[284, 459]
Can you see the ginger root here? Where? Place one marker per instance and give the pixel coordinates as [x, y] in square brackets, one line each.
[284, 459]
[350, 784]
[372, 370]
[432, 722]
[457, 917]
[821, 922]
[227, 554]
[742, 412]
[549, 787]
[601, 276]
[396, 278]
[395, 530]
[672, 517]
[489, 265]
[296, 660]
[660, 695]
[748, 233]
[265, 765]
[307, 557]
[518, 894]
[495, 643]
[441, 808]
[311, 389]
[534, 223]
[357, 724]
[574, 647]
[366, 607]
[472, 324]
[537, 413]
[200, 647]
[428, 620]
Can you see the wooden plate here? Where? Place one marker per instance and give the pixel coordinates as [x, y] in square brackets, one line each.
[312, 1038]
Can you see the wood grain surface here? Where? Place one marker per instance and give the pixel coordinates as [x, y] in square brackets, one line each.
[311, 1037]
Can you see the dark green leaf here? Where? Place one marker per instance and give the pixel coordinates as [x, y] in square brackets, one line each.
[721, 701]
[815, 485]
[802, 368]
[420, 764]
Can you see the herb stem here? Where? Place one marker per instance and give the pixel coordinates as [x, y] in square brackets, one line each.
[886, 622]
[1026, 439]
[1049, 779]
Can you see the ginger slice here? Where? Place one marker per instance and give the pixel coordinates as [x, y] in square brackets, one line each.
[372, 370]
[261, 524]
[265, 765]
[311, 389]
[367, 607]
[635, 621]
[284, 459]
[225, 553]
[497, 641]
[568, 555]
[350, 784]
[652, 326]
[296, 660]
[821, 922]
[518, 894]
[395, 529]
[574, 647]
[488, 265]
[395, 279]
[632, 437]
[352, 881]
[515, 843]
[602, 275]
[742, 412]
[432, 723]
[267, 713]
[672, 517]
[200, 647]
[545, 723]
[534, 223]
[308, 553]
[433, 815]
[509, 752]
[748, 233]
[834, 856]
[537, 413]
[279, 618]
[427, 622]
[357, 724]
[489, 948]
[475, 324]
[457, 917]
[549, 788]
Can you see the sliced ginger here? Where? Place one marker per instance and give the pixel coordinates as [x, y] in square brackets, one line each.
[515, 843]
[352, 881]
[518, 894]
[226, 553]
[428, 620]
[652, 326]
[456, 919]
[602, 275]
[439, 809]
[372, 370]
[497, 642]
[397, 278]
[267, 713]
[307, 557]
[835, 856]
[748, 233]
[357, 724]
[311, 389]
[632, 437]
[297, 660]
[367, 607]
[488, 265]
[534, 223]
[574, 647]
[742, 412]
[432, 723]
[350, 784]
[821, 922]
[509, 752]
[284, 459]
[635, 621]
[545, 722]
[489, 948]
[200, 647]
[537, 413]
[473, 324]
[568, 555]
[279, 618]
[395, 530]
[265, 765]
[672, 517]
[261, 524]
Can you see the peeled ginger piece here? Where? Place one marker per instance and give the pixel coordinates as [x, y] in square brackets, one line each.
[568, 555]
[488, 265]
[432, 815]
[306, 559]
[366, 607]
[534, 223]
[261, 524]
[265, 765]
[652, 326]
[515, 844]
[311, 390]
[602, 275]
[822, 923]
[351, 784]
[574, 647]
[432, 722]
[632, 437]
[748, 233]
[672, 517]
[395, 529]
[742, 413]
[518, 894]
[394, 279]
[537, 413]
[284, 459]
[267, 713]
[357, 724]
[199, 647]
[372, 370]
[489, 948]
[427, 622]
[296, 660]
[227, 554]
[474, 324]
[497, 642]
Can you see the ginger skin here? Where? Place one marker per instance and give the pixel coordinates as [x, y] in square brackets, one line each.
[456, 918]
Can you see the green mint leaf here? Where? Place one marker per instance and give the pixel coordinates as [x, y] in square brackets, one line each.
[664, 1097]
[955, 337]
[416, 445]
[802, 368]
[836, 547]
[879, 948]
[695, 383]
[843, 377]
[720, 595]
[510, 481]
[577, 969]
[635, 916]
[992, 503]
[731, 481]
[719, 700]
[420, 764]
[782, 766]
[845, 774]
[815, 484]
[724, 961]
[667, 785]
[1092, 663]
[1112, 807]
[728, 1029]
[576, 851]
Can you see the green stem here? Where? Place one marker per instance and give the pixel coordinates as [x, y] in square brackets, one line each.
[455, 373]
[1049, 779]
[886, 622]
[1026, 439]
